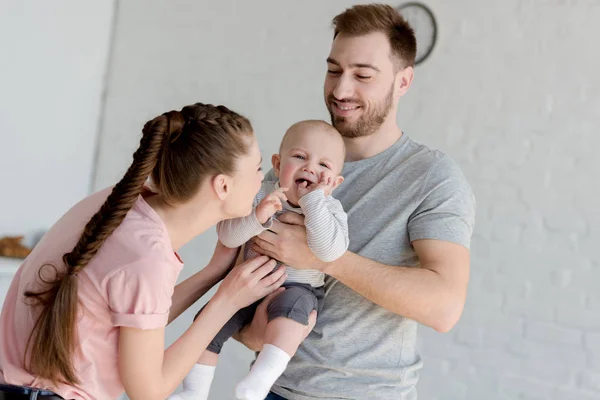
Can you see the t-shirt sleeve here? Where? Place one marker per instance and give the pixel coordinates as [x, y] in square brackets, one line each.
[446, 206]
[139, 296]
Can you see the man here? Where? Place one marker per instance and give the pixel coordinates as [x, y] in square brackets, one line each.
[411, 216]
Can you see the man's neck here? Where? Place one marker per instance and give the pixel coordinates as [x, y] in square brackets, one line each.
[368, 146]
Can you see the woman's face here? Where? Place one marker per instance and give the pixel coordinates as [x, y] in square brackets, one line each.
[245, 182]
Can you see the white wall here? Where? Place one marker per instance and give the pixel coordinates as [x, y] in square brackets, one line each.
[510, 93]
[54, 55]
[52, 64]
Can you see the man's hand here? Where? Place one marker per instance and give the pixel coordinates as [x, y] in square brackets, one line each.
[286, 242]
[253, 335]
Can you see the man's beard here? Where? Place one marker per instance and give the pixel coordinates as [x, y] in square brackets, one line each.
[368, 123]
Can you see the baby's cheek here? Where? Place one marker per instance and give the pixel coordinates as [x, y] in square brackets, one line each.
[328, 174]
[287, 174]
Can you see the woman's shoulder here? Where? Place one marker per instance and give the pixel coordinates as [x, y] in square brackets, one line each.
[141, 237]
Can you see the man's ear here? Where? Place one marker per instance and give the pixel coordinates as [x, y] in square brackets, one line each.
[404, 79]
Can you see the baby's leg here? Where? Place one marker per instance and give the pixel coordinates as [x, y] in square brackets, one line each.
[285, 334]
[288, 316]
[196, 384]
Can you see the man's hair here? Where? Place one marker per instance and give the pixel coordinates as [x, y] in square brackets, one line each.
[368, 18]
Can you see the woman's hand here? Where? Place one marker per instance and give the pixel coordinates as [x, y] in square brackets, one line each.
[149, 372]
[190, 290]
[249, 282]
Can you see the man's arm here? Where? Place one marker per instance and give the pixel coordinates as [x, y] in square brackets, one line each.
[439, 229]
[433, 294]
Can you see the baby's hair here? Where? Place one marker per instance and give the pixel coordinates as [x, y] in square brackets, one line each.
[309, 124]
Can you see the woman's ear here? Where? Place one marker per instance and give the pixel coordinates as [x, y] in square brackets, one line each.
[221, 185]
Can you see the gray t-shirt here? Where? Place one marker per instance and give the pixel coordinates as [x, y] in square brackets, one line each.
[358, 350]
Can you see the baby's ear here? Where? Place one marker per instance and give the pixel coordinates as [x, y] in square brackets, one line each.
[276, 162]
[338, 181]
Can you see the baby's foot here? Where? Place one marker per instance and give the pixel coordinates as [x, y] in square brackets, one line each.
[245, 392]
[196, 384]
[269, 365]
[184, 395]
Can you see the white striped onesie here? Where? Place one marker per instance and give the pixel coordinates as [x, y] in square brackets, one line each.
[326, 230]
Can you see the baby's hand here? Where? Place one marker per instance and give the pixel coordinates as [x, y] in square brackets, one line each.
[325, 182]
[270, 205]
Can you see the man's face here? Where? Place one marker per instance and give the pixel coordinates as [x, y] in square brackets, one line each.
[360, 83]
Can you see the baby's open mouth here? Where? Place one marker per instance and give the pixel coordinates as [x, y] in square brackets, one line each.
[301, 181]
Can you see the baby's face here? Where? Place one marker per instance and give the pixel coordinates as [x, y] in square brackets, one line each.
[307, 155]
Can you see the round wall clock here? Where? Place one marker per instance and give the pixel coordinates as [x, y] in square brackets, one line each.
[422, 20]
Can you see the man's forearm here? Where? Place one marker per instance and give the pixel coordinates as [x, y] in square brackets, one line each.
[417, 293]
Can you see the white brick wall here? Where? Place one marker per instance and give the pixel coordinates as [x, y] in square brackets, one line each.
[515, 96]
[511, 92]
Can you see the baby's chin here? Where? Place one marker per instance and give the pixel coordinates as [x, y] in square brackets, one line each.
[292, 195]
[293, 198]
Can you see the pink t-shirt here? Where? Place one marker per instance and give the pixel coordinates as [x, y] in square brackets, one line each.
[128, 283]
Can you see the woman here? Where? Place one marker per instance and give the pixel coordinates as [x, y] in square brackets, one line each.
[85, 315]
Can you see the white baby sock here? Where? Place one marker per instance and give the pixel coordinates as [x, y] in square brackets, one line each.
[269, 366]
[196, 384]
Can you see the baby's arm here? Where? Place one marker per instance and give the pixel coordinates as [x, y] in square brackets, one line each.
[237, 231]
[326, 225]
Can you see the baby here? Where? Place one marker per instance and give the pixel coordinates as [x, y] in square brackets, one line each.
[308, 167]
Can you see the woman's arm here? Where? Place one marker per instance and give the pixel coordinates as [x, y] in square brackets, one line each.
[189, 291]
[150, 372]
